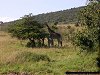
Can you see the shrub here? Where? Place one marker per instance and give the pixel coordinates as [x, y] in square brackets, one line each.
[31, 57]
[30, 44]
[84, 41]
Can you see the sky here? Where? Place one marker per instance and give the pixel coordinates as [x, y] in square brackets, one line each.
[14, 9]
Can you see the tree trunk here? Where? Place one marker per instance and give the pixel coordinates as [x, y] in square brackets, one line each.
[32, 42]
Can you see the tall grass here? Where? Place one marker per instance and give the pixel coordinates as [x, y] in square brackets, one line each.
[43, 61]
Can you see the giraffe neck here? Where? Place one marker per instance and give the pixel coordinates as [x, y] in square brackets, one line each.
[50, 30]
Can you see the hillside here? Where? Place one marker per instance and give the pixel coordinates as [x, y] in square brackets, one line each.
[63, 16]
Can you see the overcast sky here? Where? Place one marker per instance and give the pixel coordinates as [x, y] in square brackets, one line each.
[14, 9]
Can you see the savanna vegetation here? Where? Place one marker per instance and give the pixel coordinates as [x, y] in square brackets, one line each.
[22, 50]
[17, 58]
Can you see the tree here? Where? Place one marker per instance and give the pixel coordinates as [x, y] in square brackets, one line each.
[89, 17]
[27, 28]
[90, 38]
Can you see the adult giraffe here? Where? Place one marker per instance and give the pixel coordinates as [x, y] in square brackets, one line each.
[53, 35]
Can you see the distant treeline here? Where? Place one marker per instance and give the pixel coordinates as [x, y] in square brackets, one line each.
[64, 16]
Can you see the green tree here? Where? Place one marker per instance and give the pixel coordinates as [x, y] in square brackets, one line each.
[89, 39]
[27, 28]
[89, 17]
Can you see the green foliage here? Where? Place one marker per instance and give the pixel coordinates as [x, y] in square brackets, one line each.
[98, 62]
[85, 42]
[63, 16]
[55, 23]
[54, 27]
[89, 16]
[90, 19]
[32, 57]
[17, 30]
[27, 28]
[30, 44]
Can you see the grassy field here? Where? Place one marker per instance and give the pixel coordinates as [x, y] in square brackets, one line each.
[15, 57]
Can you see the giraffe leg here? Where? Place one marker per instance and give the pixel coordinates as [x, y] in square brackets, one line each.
[52, 43]
[59, 42]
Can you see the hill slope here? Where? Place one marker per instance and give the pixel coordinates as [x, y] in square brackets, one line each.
[63, 16]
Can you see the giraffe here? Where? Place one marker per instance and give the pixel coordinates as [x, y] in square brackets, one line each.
[53, 35]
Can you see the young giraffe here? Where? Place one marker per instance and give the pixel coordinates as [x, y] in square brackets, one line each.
[54, 35]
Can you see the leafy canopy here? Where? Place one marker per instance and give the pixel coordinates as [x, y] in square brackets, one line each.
[89, 17]
[27, 28]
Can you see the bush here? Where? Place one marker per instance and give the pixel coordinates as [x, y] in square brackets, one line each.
[30, 44]
[31, 57]
[27, 28]
[84, 41]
